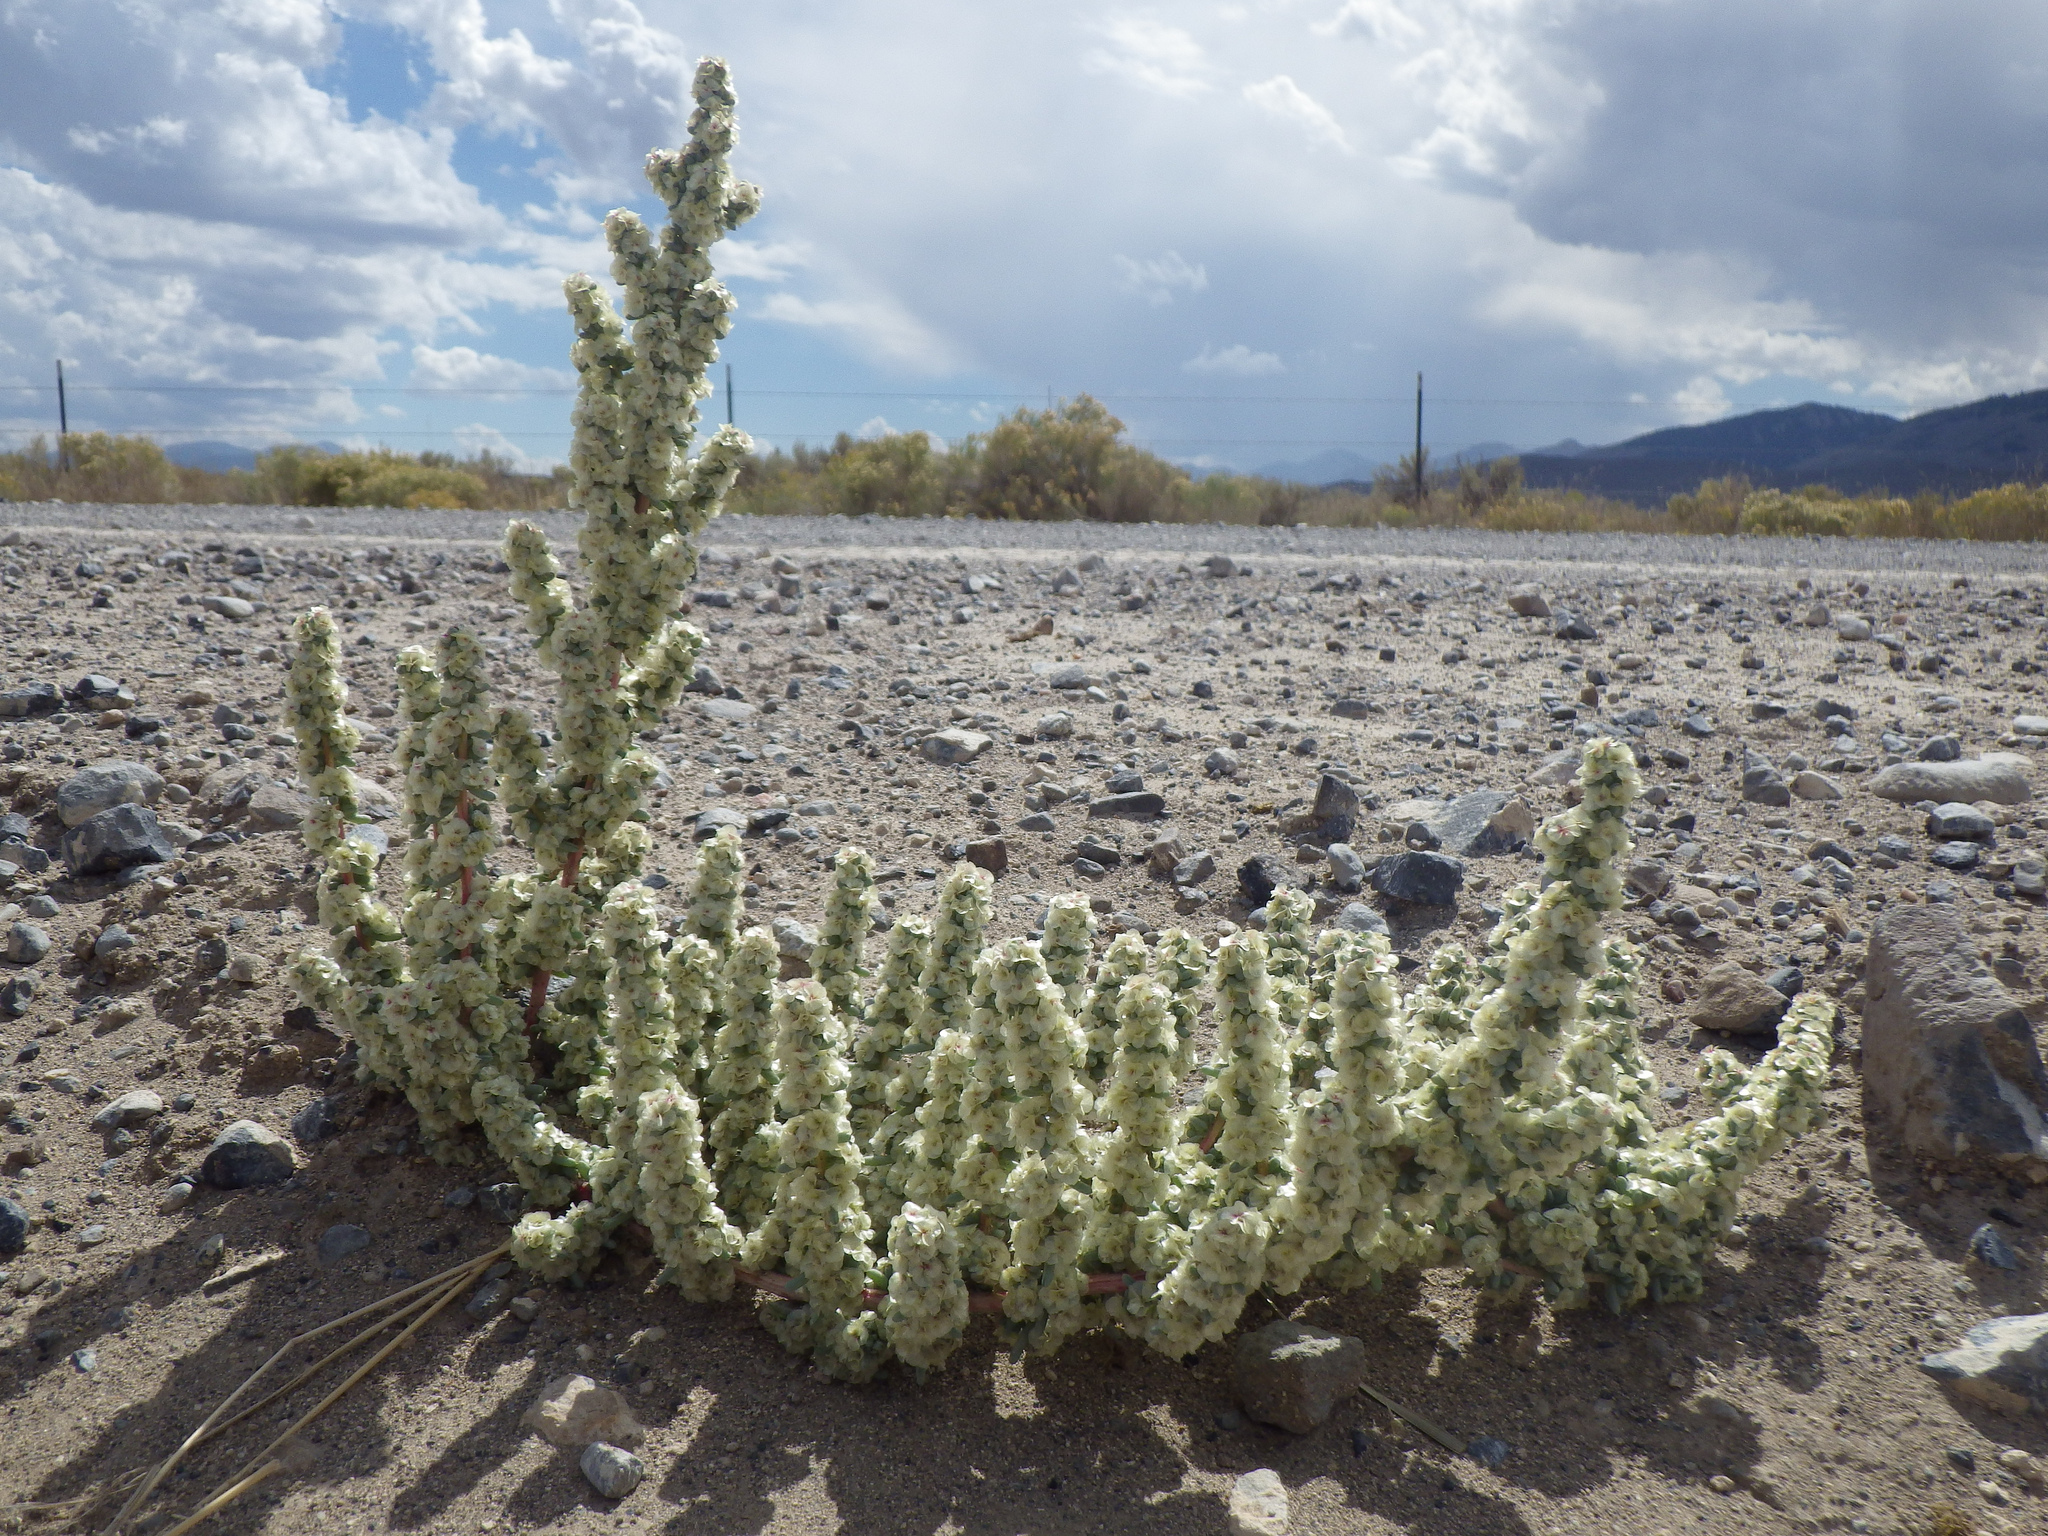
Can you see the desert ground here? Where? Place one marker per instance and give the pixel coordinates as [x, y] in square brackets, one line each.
[1790, 1398]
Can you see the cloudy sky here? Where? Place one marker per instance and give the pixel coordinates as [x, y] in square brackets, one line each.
[1245, 225]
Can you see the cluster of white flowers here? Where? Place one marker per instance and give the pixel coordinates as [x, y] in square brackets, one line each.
[1007, 1118]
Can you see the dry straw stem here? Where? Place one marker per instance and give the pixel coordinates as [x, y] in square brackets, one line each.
[432, 1294]
[1442, 1437]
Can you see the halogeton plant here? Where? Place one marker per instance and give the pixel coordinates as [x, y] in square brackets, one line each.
[970, 1123]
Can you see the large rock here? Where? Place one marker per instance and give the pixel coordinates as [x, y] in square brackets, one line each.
[1950, 1063]
[1481, 823]
[2000, 777]
[2002, 1363]
[1263, 874]
[1738, 1002]
[274, 808]
[1143, 804]
[101, 786]
[1426, 879]
[956, 746]
[1528, 603]
[1336, 808]
[226, 792]
[574, 1410]
[1293, 1376]
[612, 1472]
[1258, 1504]
[132, 1108]
[13, 1227]
[247, 1155]
[115, 839]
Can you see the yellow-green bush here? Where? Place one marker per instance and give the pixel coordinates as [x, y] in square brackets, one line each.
[2011, 512]
[1775, 512]
[900, 475]
[377, 479]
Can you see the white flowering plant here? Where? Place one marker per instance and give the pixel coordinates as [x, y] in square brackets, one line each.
[1016, 1127]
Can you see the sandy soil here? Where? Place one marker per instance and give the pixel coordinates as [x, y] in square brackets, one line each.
[1789, 1399]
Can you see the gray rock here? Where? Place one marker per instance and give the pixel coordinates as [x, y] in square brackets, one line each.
[274, 808]
[1999, 777]
[1761, 784]
[793, 941]
[705, 680]
[316, 1122]
[103, 785]
[236, 609]
[727, 711]
[1958, 856]
[135, 1107]
[1293, 1376]
[709, 822]
[1808, 785]
[1263, 874]
[1220, 763]
[116, 839]
[1336, 808]
[1357, 917]
[1950, 1064]
[1528, 603]
[612, 1472]
[488, 1299]
[1425, 879]
[502, 1202]
[16, 993]
[1195, 868]
[1144, 804]
[2001, 1363]
[1222, 565]
[1347, 869]
[1467, 826]
[1571, 627]
[26, 944]
[1734, 1001]
[13, 1227]
[1258, 1504]
[1072, 675]
[1940, 749]
[1954, 820]
[1987, 1245]
[31, 699]
[1647, 878]
[1037, 821]
[341, 1240]
[247, 1155]
[1055, 725]
[955, 746]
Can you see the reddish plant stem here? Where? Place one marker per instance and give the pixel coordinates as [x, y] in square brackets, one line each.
[1215, 1130]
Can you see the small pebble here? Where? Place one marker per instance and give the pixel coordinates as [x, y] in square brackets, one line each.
[612, 1472]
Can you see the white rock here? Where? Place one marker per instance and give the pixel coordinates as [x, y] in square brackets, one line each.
[955, 746]
[1808, 785]
[611, 1471]
[1258, 1504]
[2000, 777]
[2030, 725]
[1529, 603]
[1056, 726]
[574, 1410]
[1817, 617]
[1852, 626]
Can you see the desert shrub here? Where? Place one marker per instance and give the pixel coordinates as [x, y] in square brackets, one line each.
[2009, 512]
[1775, 512]
[900, 475]
[1716, 507]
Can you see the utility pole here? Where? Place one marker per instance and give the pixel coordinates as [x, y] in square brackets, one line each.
[63, 419]
[1418, 441]
[728, 394]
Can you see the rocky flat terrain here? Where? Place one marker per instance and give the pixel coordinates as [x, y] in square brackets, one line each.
[1841, 754]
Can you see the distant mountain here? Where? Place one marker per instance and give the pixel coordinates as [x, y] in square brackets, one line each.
[211, 455]
[1331, 465]
[218, 456]
[1956, 451]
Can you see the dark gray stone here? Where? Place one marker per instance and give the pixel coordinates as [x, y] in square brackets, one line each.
[1037, 821]
[340, 1241]
[1958, 856]
[502, 1202]
[1571, 627]
[116, 839]
[1465, 826]
[1263, 874]
[100, 786]
[15, 996]
[1488, 1450]
[709, 822]
[1988, 1246]
[1957, 820]
[1195, 868]
[30, 699]
[1424, 879]
[316, 1122]
[488, 1299]
[13, 1227]
[1347, 869]
[1336, 808]
[1950, 1065]
[1940, 749]
[247, 1155]
[1294, 1377]
[1145, 804]
[1787, 980]
[26, 944]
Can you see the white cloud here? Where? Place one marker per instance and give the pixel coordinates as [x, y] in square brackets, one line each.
[1284, 99]
[1148, 53]
[1155, 278]
[1238, 361]
[466, 368]
[1701, 399]
[479, 437]
[880, 327]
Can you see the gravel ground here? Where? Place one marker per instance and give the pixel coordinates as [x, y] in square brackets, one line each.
[1507, 552]
[1787, 1400]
